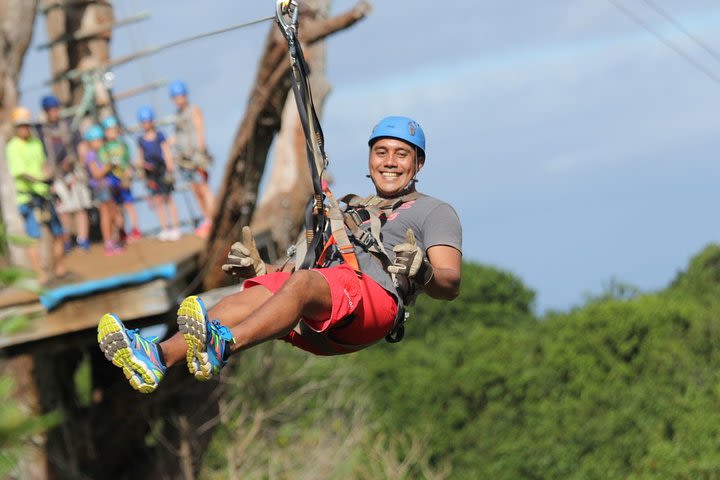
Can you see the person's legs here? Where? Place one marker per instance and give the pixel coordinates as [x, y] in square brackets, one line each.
[233, 328]
[132, 215]
[233, 309]
[157, 204]
[32, 230]
[82, 224]
[59, 252]
[172, 210]
[105, 222]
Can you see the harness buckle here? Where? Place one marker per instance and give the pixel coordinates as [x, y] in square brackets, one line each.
[365, 238]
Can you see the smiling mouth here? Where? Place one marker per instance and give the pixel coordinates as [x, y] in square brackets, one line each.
[390, 175]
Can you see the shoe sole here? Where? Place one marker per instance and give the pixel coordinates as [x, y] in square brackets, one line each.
[192, 323]
[115, 344]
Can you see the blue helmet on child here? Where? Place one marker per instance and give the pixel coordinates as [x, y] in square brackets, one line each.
[94, 132]
[178, 87]
[402, 128]
[49, 101]
[109, 122]
[145, 114]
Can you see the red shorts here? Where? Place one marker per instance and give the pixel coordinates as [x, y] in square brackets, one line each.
[360, 315]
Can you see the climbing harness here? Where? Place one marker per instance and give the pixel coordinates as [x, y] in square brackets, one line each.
[327, 226]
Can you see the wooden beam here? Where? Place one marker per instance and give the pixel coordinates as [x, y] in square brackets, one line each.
[93, 31]
[65, 4]
[138, 90]
[74, 74]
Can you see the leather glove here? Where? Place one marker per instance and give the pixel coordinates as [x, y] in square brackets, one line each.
[410, 260]
[244, 259]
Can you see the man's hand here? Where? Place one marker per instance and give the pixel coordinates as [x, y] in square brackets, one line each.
[410, 260]
[244, 259]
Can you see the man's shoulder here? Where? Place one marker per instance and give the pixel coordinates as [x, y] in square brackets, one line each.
[428, 202]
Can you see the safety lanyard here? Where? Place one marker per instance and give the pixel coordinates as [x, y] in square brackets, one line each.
[287, 13]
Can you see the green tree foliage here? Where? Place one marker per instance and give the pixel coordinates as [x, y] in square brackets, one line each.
[624, 387]
[16, 423]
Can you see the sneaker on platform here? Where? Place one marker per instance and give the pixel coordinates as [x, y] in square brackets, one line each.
[174, 235]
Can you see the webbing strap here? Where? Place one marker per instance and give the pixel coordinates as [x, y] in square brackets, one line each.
[315, 219]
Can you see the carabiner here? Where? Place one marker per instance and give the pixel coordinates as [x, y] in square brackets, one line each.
[286, 13]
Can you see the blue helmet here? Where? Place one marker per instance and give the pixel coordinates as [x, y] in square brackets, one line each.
[145, 114]
[95, 132]
[49, 101]
[178, 87]
[402, 128]
[109, 122]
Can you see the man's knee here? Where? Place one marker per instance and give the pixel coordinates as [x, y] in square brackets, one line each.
[310, 288]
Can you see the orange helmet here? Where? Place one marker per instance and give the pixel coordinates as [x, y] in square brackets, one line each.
[21, 116]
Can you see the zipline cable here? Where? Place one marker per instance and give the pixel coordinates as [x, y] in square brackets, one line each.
[634, 17]
[665, 14]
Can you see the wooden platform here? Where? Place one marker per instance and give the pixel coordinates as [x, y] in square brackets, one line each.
[153, 298]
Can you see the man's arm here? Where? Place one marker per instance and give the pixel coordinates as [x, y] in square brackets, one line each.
[447, 264]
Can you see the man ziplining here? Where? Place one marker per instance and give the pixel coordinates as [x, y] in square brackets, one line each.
[375, 256]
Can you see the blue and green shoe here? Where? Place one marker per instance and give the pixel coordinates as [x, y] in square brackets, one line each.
[208, 341]
[138, 357]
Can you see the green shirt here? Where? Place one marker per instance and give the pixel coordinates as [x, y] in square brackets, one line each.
[27, 157]
[116, 152]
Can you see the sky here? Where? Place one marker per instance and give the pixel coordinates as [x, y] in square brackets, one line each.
[575, 145]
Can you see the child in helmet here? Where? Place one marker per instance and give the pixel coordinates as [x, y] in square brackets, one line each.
[105, 187]
[115, 152]
[192, 154]
[155, 158]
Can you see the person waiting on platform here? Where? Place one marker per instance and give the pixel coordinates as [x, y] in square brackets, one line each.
[27, 164]
[70, 185]
[193, 158]
[105, 187]
[115, 152]
[156, 160]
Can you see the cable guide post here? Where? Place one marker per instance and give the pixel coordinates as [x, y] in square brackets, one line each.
[287, 13]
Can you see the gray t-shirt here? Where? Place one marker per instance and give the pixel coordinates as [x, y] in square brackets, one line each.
[433, 221]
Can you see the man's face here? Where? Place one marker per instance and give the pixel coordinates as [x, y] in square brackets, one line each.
[23, 131]
[53, 114]
[392, 165]
[179, 100]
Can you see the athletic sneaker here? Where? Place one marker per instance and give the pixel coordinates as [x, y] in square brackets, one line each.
[208, 341]
[112, 248]
[173, 235]
[84, 244]
[139, 357]
[203, 230]
[135, 235]
[163, 235]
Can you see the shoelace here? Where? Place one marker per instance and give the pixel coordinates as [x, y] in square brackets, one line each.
[135, 332]
[222, 331]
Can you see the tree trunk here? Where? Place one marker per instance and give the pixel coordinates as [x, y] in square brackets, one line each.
[263, 118]
[16, 28]
[73, 54]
